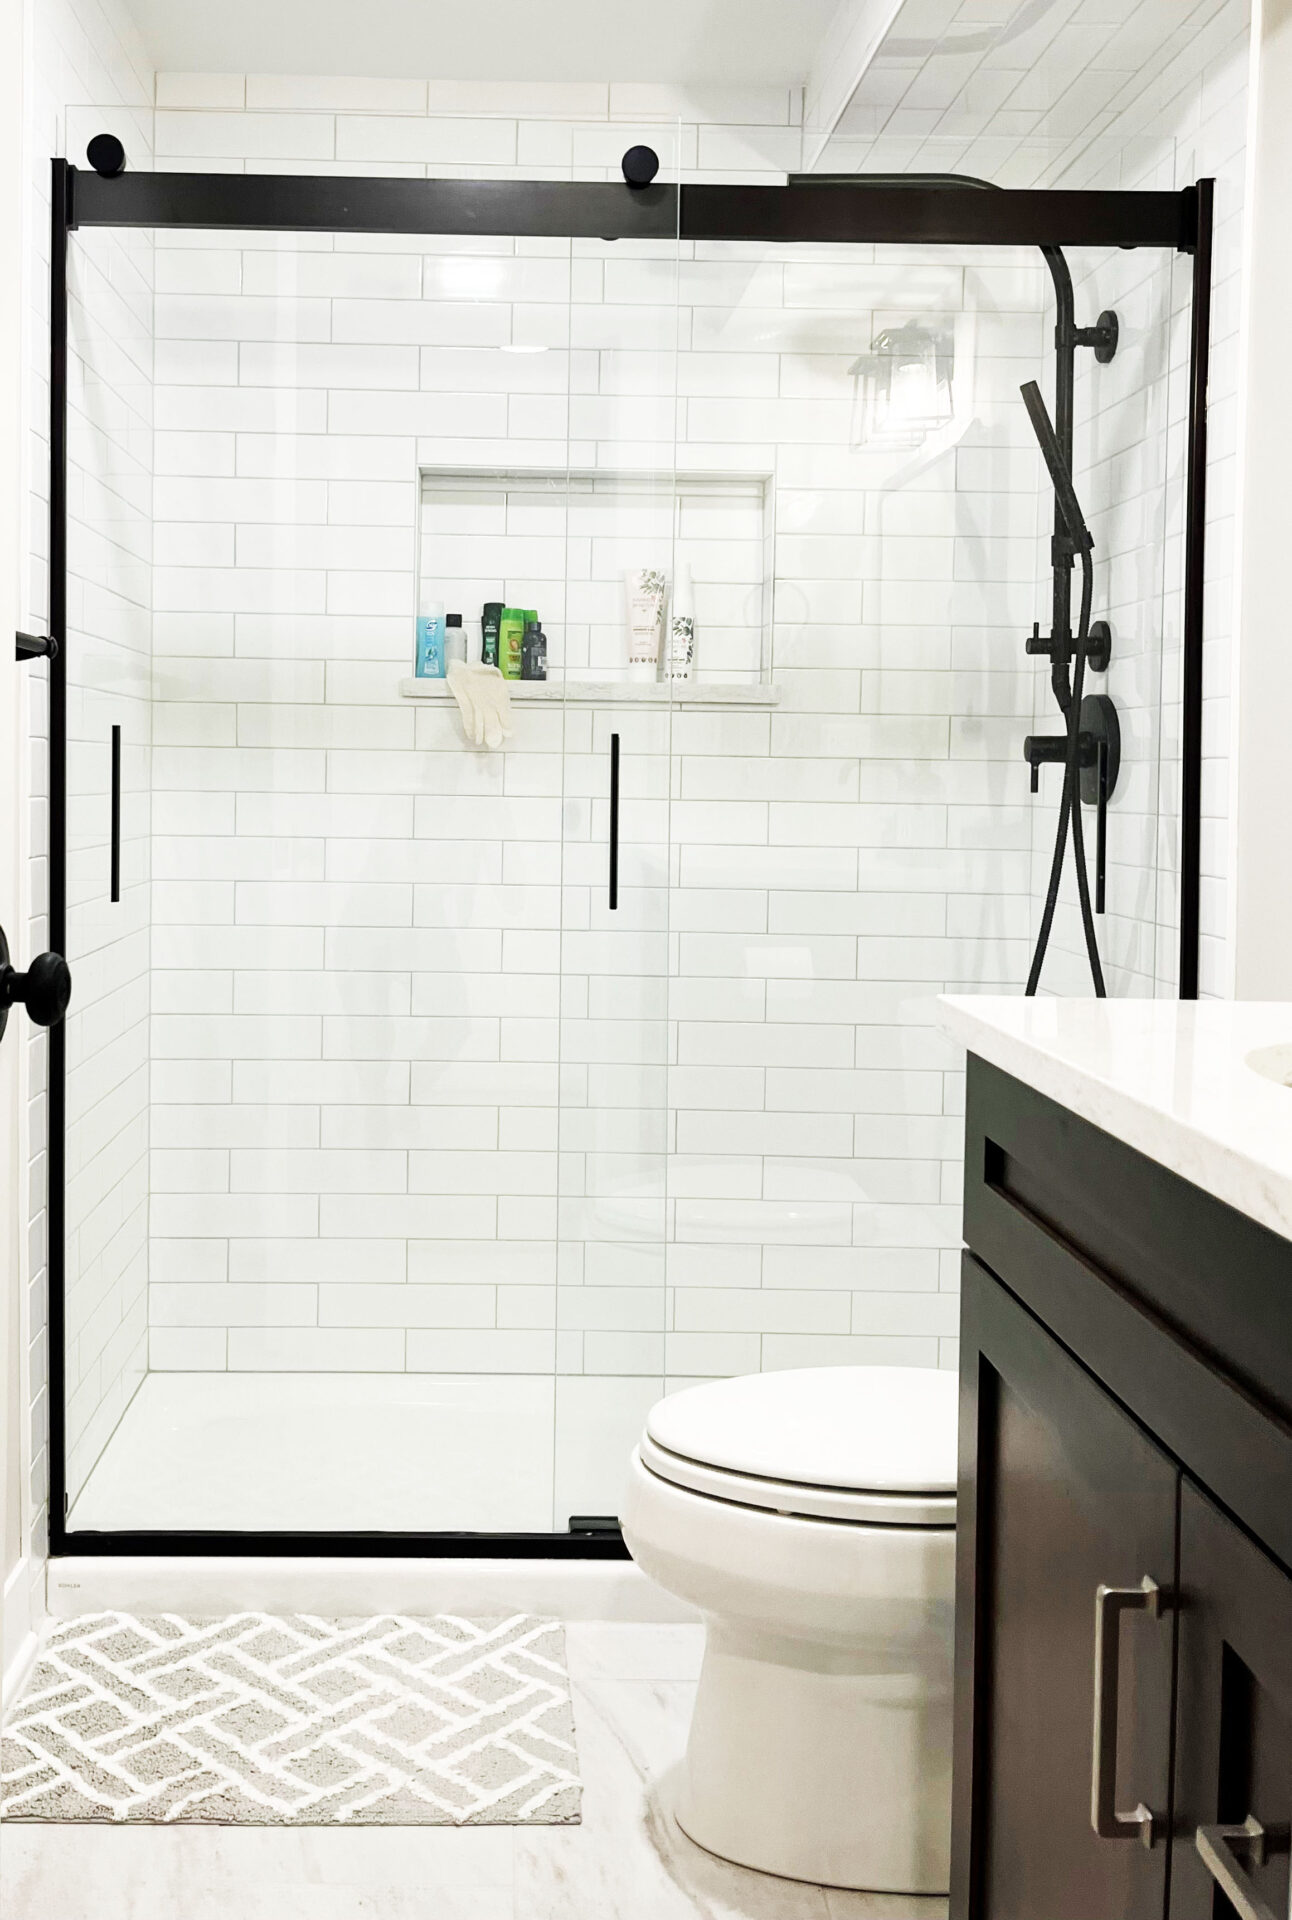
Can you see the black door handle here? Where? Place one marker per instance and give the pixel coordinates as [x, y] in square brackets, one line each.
[114, 877]
[44, 989]
[614, 821]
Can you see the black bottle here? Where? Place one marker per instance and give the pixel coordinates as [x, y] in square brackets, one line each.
[533, 657]
[490, 622]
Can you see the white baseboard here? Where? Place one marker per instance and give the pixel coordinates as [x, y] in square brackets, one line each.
[569, 1589]
[20, 1627]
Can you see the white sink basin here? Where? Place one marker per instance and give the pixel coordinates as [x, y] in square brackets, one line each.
[1275, 1063]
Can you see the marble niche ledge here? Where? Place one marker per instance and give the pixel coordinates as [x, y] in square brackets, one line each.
[614, 693]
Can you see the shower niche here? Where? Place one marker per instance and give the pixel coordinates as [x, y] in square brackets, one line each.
[561, 539]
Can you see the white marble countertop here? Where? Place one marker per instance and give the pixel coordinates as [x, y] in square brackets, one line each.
[1171, 1078]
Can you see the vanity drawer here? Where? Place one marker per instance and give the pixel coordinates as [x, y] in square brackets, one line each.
[1215, 1278]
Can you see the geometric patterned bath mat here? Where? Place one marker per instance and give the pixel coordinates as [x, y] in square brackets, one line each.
[269, 1720]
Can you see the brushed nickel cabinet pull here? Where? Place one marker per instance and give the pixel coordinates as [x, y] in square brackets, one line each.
[1216, 1846]
[1110, 1604]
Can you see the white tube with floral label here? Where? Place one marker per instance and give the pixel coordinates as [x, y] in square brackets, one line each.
[647, 589]
[681, 628]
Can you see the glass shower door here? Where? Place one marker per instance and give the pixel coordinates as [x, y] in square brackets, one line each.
[869, 840]
[108, 848]
[311, 1252]
[620, 545]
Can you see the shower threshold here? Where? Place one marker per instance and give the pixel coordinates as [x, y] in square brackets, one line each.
[309, 1452]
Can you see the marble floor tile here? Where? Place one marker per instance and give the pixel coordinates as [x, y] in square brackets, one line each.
[629, 1860]
[619, 1650]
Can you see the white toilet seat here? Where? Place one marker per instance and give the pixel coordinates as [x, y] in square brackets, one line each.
[875, 1445]
[862, 1506]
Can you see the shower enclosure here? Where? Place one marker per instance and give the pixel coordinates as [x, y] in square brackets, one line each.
[399, 1159]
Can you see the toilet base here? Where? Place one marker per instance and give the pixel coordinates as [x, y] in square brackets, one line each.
[820, 1764]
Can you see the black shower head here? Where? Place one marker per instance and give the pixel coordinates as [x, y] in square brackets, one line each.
[1060, 478]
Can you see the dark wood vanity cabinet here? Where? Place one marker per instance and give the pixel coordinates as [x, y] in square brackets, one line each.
[1071, 1496]
[1124, 1605]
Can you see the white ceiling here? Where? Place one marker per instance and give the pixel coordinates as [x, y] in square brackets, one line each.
[1024, 92]
[728, 42]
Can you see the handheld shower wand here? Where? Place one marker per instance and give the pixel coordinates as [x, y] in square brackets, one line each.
[1060, 479]
[1079, 535]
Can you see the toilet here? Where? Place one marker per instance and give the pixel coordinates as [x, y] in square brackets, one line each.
[810, 1516]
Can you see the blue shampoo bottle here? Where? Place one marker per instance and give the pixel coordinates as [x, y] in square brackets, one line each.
[430, 641]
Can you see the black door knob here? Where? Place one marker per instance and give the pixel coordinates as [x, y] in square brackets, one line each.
[44, 989]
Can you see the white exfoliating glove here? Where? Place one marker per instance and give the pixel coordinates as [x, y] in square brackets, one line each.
[483, 701]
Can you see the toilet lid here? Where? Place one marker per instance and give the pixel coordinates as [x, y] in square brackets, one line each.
[879, 1429]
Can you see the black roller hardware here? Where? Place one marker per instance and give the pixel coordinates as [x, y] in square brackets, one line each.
[640, 165]
[106, 155]
[44, 989]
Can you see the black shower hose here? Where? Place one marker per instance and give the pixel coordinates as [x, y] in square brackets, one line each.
[1070, 808]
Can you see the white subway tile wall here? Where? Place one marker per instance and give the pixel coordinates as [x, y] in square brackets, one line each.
[91, 74]
[509, 1130]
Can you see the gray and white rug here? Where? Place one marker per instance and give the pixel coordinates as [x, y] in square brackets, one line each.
[267, 1720]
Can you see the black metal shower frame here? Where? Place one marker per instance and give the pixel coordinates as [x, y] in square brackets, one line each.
[833, 211]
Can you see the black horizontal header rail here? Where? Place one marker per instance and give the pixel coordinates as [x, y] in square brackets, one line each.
[610, 210]
[938, 215]
[298, 203]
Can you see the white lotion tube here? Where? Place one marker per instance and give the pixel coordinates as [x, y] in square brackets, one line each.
[646, 589]
[680, 659]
